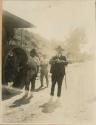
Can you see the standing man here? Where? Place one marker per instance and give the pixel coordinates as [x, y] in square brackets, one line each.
[34, 63]
[57, 70]
[44, 70]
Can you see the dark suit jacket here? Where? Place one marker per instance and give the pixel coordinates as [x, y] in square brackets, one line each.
[58, 67]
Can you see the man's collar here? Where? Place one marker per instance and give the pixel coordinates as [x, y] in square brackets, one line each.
[59, 55]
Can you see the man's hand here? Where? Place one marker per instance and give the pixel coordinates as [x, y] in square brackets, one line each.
[61, 61]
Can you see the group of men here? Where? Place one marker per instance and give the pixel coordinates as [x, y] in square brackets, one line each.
[18, 72]
[57, 70]
[36, 64]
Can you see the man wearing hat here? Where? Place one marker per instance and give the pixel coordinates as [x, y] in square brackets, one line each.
[57, 70]
[34, 66]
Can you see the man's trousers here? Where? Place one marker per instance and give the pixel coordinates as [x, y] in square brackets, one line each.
[56, 79]
[30, 77]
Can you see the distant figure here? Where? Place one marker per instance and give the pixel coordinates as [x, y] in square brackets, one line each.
[57, 70]
[44, 71]
[34, 67]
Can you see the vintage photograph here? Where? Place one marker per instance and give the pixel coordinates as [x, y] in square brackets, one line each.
[49, 62]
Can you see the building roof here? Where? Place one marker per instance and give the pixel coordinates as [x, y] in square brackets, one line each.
[13, 21]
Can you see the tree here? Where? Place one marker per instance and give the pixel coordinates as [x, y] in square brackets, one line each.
[76, 39]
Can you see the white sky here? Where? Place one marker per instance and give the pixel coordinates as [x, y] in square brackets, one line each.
[55, 19]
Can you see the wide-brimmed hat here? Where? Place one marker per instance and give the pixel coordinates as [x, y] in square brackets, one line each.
[59, 49]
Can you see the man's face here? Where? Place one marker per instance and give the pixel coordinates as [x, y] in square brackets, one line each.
[32, 54]
[59, 53]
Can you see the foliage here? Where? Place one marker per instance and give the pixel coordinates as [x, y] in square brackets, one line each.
[73, 45]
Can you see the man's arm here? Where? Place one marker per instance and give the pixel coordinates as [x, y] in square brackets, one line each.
[63, 60]
[52, 60]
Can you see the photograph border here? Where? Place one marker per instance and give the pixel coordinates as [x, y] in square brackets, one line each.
[1, 8]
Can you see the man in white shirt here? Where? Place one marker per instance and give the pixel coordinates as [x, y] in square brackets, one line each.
[44, 70]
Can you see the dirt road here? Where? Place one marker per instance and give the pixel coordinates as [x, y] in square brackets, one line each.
[76, 106]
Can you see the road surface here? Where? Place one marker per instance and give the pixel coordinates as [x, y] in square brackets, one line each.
[76, 105]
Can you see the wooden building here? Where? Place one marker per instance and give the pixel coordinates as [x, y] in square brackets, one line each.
[9, 23]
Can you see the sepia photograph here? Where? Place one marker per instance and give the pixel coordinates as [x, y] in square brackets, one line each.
[48, 62]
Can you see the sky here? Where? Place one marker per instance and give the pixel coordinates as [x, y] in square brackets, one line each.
[56, 19]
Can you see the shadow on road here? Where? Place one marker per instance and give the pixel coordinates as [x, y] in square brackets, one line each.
[8, 93]
[21, 101]
[50, 106]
